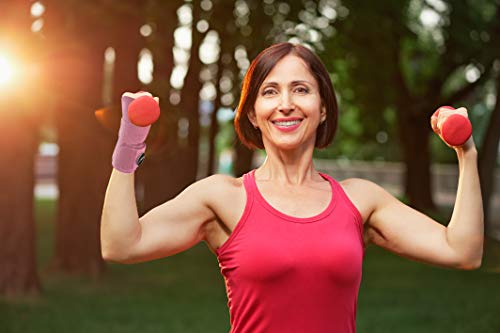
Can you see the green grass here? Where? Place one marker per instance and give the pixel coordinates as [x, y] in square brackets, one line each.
[185, 293]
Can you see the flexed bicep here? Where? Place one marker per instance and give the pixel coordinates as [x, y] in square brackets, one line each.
[407, 232]
[175, 225]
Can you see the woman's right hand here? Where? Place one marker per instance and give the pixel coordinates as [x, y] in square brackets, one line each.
[130, 147]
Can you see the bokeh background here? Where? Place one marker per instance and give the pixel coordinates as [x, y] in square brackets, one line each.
[65, 64]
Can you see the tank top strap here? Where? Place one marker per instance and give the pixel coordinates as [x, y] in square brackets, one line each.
[249, 184]
[349, 204]
[343, 196]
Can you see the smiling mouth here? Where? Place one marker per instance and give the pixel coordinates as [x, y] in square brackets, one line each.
[287, 123]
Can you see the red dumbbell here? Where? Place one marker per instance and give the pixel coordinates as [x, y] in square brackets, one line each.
[456, 129]
[143, 111]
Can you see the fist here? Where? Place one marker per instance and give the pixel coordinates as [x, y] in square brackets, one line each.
[141, 108]
[452, 126]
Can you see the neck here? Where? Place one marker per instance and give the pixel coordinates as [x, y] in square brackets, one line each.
[288, 167]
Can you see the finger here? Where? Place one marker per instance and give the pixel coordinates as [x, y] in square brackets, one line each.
[142, 93]
[440, 121]
[157, 99]
[137, 94]
[463, 112]
[434, 123]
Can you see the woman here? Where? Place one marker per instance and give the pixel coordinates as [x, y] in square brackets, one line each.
[290, 240]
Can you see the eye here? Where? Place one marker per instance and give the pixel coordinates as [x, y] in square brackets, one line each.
[302, 90]
[268, 92]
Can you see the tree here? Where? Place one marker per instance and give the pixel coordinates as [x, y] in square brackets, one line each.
[162, 140]
[169, 154]
[84, 145]
[487, 161]
[394, 61]
[222, 21]
[18, 144]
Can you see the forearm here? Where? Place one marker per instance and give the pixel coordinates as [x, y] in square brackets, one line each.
[120, 225]
[465, 231]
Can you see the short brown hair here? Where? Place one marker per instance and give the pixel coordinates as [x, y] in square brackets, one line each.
[260, 67]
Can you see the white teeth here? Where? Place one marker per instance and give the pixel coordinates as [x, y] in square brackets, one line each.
[287, 123]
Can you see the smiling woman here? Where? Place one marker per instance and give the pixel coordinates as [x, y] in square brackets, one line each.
[290, 241]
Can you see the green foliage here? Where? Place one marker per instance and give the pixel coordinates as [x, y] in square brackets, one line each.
[225, 137]
[366, 58]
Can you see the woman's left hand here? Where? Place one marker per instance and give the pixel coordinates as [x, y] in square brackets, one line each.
[437, 124]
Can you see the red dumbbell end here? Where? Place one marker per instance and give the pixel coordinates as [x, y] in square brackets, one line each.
[456, 130]
[143, 111]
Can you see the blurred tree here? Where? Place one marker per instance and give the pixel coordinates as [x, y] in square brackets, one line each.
[396, 57]
[127, 42]
[162, 157]
[173, 154]
[77, 35]
[18, 143]
[190, 101]
[488, 157]
[222, 21]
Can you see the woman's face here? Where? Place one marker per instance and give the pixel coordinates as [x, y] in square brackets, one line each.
[288, 108]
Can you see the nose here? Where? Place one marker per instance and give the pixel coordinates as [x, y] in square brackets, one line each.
[286, 103]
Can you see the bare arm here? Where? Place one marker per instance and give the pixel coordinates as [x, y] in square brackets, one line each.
[465, 232]
[167, 229]
[120, 220]
[409, 233]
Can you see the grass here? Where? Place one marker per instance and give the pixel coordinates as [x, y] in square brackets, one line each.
[185, 293]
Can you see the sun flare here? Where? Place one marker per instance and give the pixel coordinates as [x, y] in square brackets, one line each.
[6, 70]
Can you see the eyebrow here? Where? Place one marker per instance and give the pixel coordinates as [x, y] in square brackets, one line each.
[295, 82]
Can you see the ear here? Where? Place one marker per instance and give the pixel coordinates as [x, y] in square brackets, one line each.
[322, 114]
[251, 117]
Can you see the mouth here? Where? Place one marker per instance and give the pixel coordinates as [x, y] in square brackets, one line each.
[287, 124]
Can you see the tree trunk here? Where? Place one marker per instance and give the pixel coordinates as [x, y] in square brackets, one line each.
[18, 144]
[243, 161]
[413, 129]
[487, 166]
[84, 159]
[415, 142]
[226, 28]
[190, 102]
[128, 44]
[160, 173]
[167, 170]
[214, 129]
[125, 77]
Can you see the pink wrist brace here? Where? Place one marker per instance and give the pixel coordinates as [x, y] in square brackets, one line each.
[130, 147]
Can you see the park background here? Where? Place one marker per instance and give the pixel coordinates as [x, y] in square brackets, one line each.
[64, 65]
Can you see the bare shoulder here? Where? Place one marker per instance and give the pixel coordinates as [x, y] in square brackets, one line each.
[363, 194]
[223, 194]
[367, 196]
[215, 192]
[360, 184]
[220, 185]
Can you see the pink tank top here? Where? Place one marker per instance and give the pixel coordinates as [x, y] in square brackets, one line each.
[290, 274]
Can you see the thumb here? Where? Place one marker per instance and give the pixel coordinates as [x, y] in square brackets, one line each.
[434, 124]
